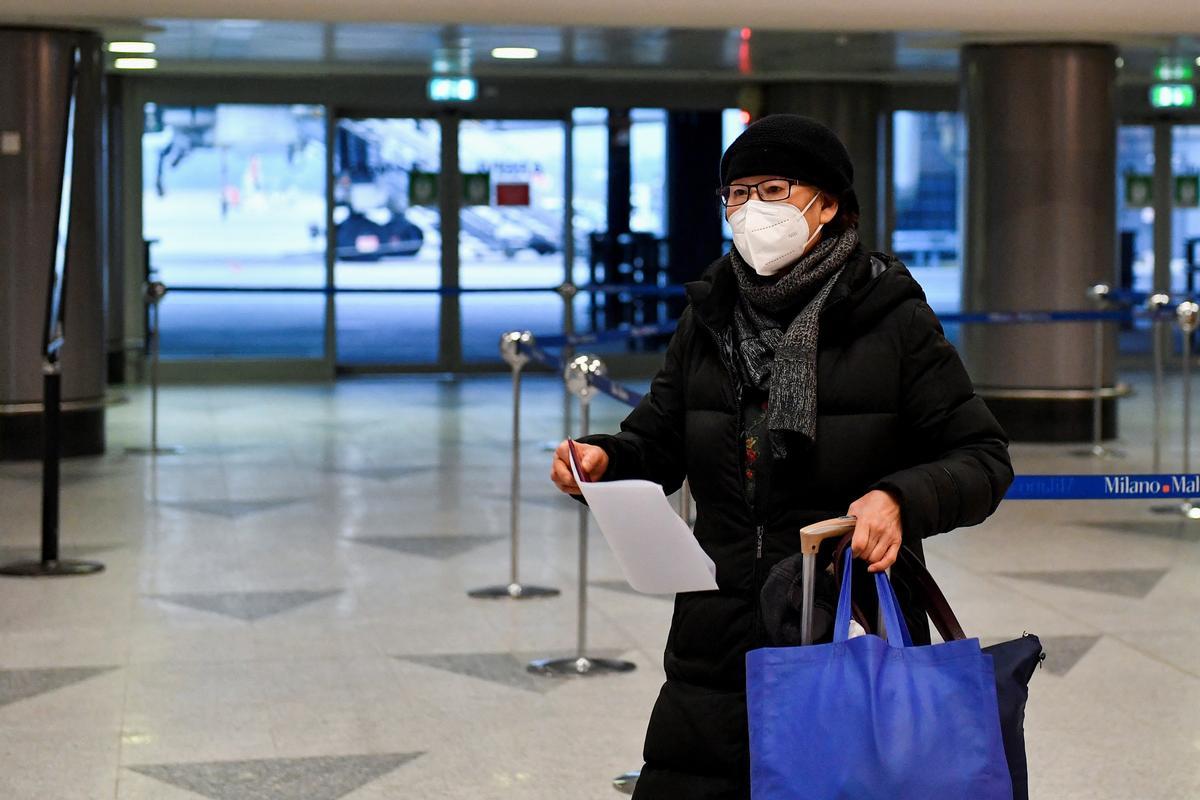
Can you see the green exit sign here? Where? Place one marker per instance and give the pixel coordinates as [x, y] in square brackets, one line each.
[1173, 95]
[452, 89]
[1173, 69]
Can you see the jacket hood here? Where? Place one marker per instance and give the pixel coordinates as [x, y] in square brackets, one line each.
[871, 285]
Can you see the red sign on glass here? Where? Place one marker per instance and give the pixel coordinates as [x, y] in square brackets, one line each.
[512, 194]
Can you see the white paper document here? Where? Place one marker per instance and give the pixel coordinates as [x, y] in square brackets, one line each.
[655, 548]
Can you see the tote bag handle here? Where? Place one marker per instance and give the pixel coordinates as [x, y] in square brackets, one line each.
[936, 605]
[888, 604]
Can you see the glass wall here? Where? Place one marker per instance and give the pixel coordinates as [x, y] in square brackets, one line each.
[512, 229]
[388, 264]
[1185, 224]
[1135, 205]
[590, 161]
[648, 171]
[928, 160]
[733, 122]
[234, 201]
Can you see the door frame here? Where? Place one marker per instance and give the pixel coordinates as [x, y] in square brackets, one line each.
[450, 355]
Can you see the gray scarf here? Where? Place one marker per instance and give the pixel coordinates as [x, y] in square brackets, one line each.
[784, 362]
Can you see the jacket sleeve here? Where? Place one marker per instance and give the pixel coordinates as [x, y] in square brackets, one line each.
[963, 469]
[650, 444]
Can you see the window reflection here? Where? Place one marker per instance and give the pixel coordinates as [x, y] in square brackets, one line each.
[234, 196]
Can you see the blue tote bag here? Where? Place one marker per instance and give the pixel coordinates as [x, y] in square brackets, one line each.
[869, 719]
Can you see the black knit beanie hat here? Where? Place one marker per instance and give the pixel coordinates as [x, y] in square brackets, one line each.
[792, 146]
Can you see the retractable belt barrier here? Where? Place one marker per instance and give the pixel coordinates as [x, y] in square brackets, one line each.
[966, 318]
[1157, 307]
[1104, 487]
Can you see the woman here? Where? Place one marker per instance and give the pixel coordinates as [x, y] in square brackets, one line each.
[807, 379]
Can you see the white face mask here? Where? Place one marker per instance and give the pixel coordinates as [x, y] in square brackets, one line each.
[771, 236]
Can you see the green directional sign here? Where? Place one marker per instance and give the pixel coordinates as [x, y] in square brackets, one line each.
[1187, 191]
[1139, 190]
[477, 188]
[1172, 95]
[422, 188]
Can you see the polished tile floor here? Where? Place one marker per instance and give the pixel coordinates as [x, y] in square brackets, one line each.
[284, 613]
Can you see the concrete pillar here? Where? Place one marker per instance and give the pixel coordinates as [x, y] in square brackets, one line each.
[34, 83]
[1040, 228]
[854, 112]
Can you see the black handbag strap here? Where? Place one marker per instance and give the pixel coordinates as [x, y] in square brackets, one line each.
[936, 605]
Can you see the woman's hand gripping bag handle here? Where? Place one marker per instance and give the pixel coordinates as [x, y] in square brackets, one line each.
[811, 538]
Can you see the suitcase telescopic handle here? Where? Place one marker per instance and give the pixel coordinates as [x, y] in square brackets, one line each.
[811, 536]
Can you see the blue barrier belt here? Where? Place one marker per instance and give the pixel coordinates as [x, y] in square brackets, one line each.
[984, 317]
[618, 335]
[1027, 317]
[633, 290]
[1103, 487]
[537, 354]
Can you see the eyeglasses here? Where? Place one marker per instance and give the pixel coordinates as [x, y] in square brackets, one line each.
[769, 191]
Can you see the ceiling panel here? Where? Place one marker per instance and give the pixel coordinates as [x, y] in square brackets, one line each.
[1071, 19]
[275, 46]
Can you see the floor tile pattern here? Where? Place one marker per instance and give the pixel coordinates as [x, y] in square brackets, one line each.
[284, 613]
[316, 778]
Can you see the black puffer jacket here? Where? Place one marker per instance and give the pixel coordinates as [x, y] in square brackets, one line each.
[896, 411]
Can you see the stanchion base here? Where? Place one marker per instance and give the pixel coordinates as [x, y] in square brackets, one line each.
[154, 451]
[580, 667]
[512, 591]
[1098, 451]
[50, 569]
[1186, 509]
[625, 784]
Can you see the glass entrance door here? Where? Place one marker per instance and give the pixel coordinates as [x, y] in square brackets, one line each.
[233, 202]
[1185, 222]
[387, 235]
[511, 245]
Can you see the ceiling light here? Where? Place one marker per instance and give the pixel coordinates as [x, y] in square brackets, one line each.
[1120, 62]
[131, 47]
[136, 63]
[515, 53]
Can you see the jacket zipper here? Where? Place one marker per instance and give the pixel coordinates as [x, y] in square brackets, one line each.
[760, 529]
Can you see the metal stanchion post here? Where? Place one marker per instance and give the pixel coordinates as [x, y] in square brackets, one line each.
[153, 295]
[1099, 295]
[685, 502]
[567, 292]
[1156, 304]
[578, 380]
[625, 784]
[510, 351]
[1188, 316]
[50, 565]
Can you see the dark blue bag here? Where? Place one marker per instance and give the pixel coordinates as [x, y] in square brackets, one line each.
[869, 719]
[1014, 662]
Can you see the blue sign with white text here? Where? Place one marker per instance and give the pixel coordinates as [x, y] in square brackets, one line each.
[1103, 487]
